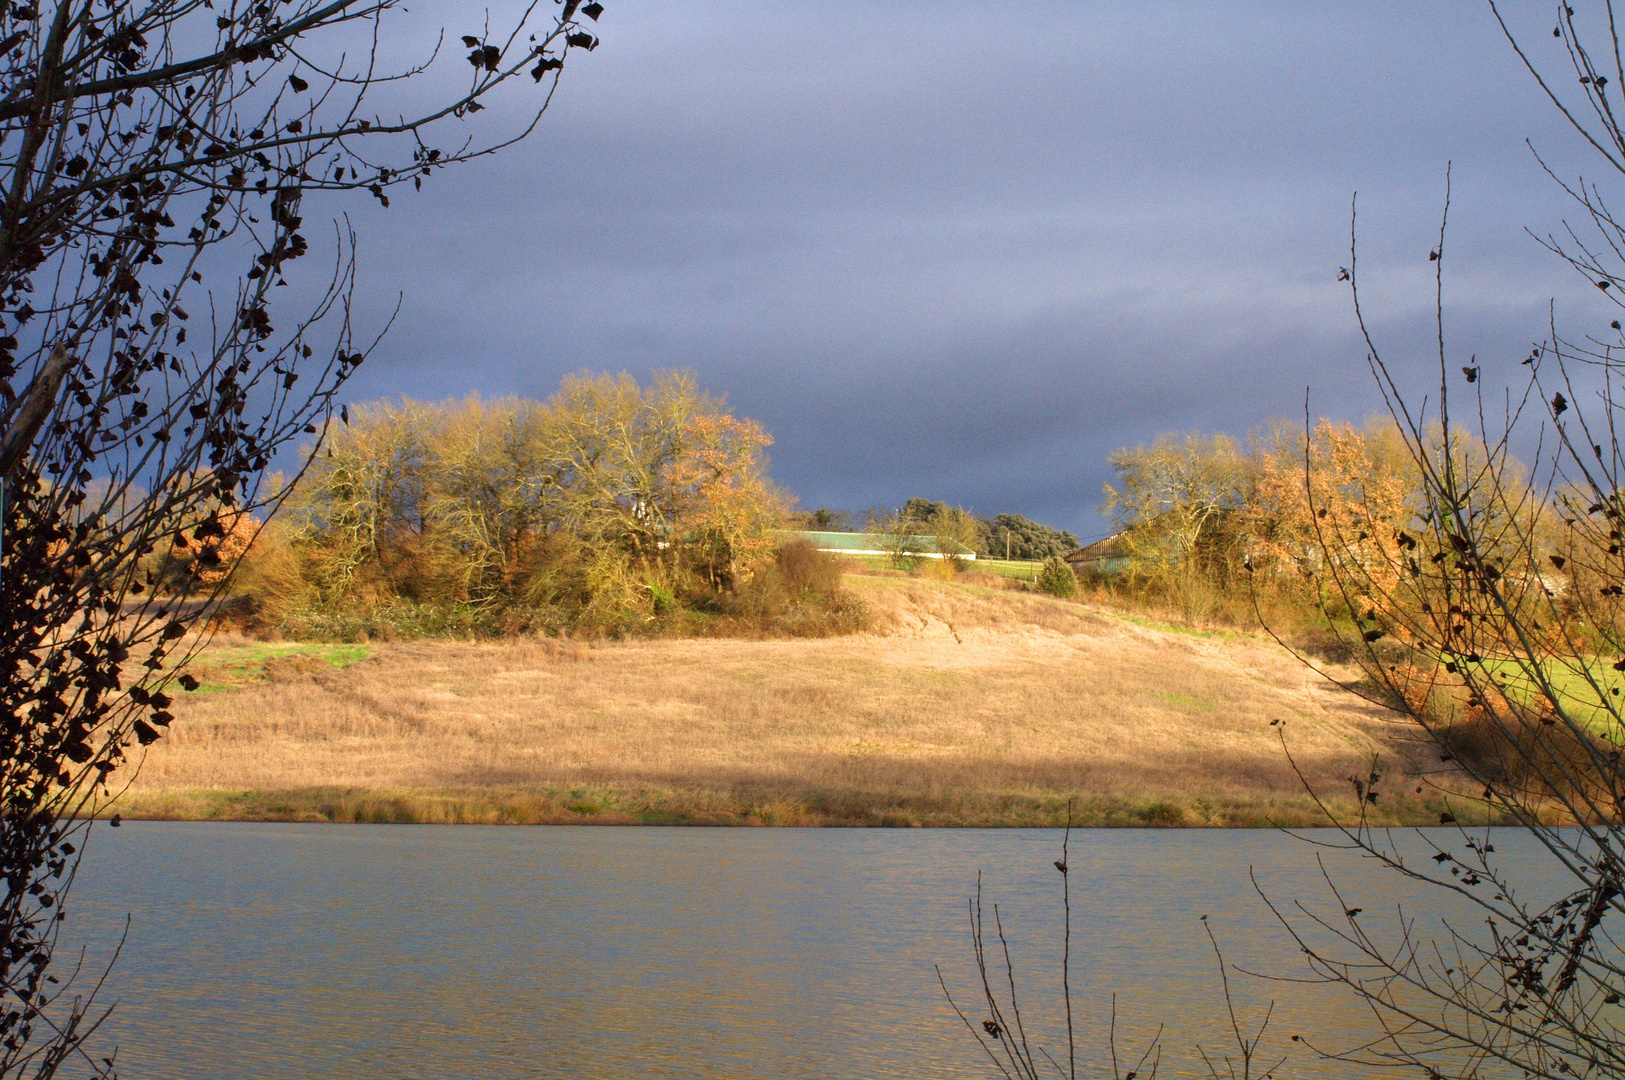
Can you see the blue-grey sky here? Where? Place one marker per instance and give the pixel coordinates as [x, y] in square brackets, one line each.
[965, 251]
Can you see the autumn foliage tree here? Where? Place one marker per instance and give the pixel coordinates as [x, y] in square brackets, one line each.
[1342, 492]
[1169, 499]
[591, 509]
[1281, 517]
[723, 505]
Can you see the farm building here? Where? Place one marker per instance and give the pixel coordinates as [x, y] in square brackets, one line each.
[857, 543]
[1101, 559]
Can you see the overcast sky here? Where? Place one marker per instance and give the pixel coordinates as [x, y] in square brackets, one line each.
[966, 251]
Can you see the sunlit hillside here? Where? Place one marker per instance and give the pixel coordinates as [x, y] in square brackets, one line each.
[962, 705]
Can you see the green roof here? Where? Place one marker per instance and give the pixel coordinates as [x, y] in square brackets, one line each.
[883, 543]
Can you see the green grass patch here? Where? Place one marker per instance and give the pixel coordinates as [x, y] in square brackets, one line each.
[1186, 701]
[880, 562]
[1580, 693]
[232, 667]
[1020, 569]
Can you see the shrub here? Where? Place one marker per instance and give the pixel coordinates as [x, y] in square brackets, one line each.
[804, 569]
[1057, 579]
[269, 581]
[798, 595]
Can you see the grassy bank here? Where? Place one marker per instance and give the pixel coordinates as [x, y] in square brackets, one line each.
[966, 706]
[792, 806]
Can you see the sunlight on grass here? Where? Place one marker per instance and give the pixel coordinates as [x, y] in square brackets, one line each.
[1020, 569]
[967, 705]
[1578, 694]
[233, 667]
[1017, 569]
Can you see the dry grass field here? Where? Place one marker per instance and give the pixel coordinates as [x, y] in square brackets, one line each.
[964, 706]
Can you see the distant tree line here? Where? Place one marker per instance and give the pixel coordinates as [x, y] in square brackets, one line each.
[615, 507]
[1001, 536]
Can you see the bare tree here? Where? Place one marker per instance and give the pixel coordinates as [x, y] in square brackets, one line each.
[1491, 618]
[1170, 497]
[146, 145]
[1493, 623]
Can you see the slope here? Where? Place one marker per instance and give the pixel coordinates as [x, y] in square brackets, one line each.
[964, 705]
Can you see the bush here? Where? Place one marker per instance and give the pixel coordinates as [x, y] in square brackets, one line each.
[1057, 579]
[804, 569]
[269, 582]
[799, 594]
[665, 601]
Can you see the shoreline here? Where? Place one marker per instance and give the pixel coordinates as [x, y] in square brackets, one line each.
[738, 810]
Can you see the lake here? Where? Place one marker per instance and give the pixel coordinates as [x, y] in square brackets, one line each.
[270, 951]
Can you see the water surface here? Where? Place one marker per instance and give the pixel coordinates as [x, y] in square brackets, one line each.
[272, 951]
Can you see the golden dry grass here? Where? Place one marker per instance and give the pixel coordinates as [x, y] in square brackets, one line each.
[965, 705]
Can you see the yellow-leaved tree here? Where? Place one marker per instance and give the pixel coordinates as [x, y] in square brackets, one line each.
[1169, 500]
[1342, 493]
[722, 504]
[601, 503]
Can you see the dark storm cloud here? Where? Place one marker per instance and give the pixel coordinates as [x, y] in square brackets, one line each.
[937, 254]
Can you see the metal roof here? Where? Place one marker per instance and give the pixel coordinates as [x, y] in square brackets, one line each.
[883, 543]
[1114, 546]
